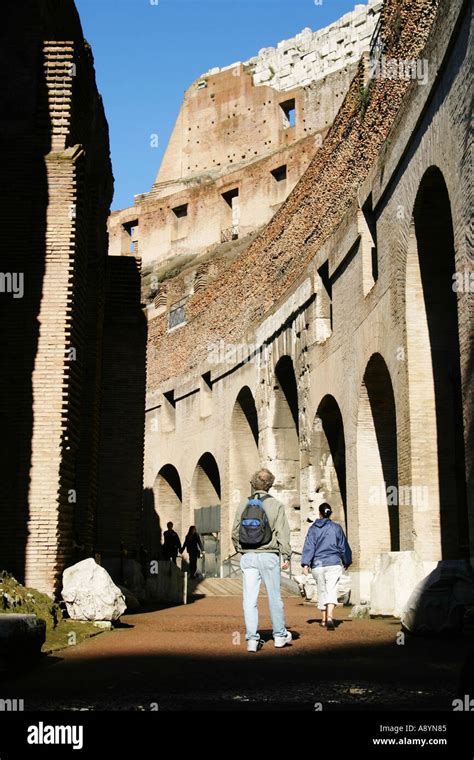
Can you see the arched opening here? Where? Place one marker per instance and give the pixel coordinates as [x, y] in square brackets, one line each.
[283, 444]
[243, 453]
[377, 464]
[206, 511]
[206, 484]
[168, 498]
[327, 477]
[434, 373]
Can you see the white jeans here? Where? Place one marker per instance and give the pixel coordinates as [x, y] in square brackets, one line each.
[327, 579]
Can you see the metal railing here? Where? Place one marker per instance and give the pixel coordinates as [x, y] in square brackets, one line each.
[231, 566]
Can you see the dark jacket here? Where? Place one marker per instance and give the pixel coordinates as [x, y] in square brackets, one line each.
[193, 544]
[326, 544]
[171, 540]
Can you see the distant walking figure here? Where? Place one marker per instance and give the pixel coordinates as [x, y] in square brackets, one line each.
[171, 543]
[193, 545]
[261, 534]
[326, 551]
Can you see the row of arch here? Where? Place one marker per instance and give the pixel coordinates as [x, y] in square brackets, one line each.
[327, 455]
[435, 414]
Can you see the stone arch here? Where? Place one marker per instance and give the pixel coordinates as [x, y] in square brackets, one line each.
[168, 497]
[377, 464]
[243, 451]
[283, 442]
[327, 460]
[205, 484]
[434, 375]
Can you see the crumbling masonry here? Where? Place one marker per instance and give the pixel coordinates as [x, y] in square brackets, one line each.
[336, 347]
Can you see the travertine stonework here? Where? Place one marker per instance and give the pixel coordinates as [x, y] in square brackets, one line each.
[334, 348]
[249, 129]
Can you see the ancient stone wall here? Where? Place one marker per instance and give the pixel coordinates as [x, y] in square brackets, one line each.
[341, 328]
[310, 56]
[57, 182]
[122, 411]
[244, 133]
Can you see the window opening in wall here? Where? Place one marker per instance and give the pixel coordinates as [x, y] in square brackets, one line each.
[177, 315]
[169, 396]
[280, 173]
[228, 233]
[289, 113]
[205, 395]
[323, 272]
[180, 211]
[168, 412]
[370, 219]
[230, 195]
[131, 232]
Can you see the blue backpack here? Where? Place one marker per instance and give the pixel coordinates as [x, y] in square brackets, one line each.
[255, 530]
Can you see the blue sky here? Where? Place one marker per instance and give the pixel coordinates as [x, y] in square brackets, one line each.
[146, 56]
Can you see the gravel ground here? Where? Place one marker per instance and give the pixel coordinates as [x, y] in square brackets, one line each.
[195, 658]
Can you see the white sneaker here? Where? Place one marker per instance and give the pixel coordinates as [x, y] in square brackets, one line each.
[280, 641]
[253, 645]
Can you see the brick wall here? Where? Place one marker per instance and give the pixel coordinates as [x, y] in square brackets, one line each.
[58, 186]
[122, 411]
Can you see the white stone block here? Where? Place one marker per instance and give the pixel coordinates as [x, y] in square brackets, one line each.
[359, 20]
[263, 76]
[231, 66]
[396, 575]
[90, 593]
[289, 82]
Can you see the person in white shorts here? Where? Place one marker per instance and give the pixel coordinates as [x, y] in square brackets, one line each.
[326, 552]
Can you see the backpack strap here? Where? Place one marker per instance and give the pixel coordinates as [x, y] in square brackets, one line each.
[251, 501]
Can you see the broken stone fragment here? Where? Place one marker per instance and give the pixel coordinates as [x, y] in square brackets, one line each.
[90, 593]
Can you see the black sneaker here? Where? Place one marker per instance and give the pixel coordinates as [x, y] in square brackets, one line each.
[330, 625]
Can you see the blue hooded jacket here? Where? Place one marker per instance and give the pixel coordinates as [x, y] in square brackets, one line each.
[326, 544]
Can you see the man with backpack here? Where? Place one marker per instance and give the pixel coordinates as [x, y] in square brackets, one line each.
[261, 533]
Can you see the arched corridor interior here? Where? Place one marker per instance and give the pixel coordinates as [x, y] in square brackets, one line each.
[327, 463]
[377, 465]
[434, 373]
[243, 452]
[283, 444]
[168, 498]
[205, 484]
